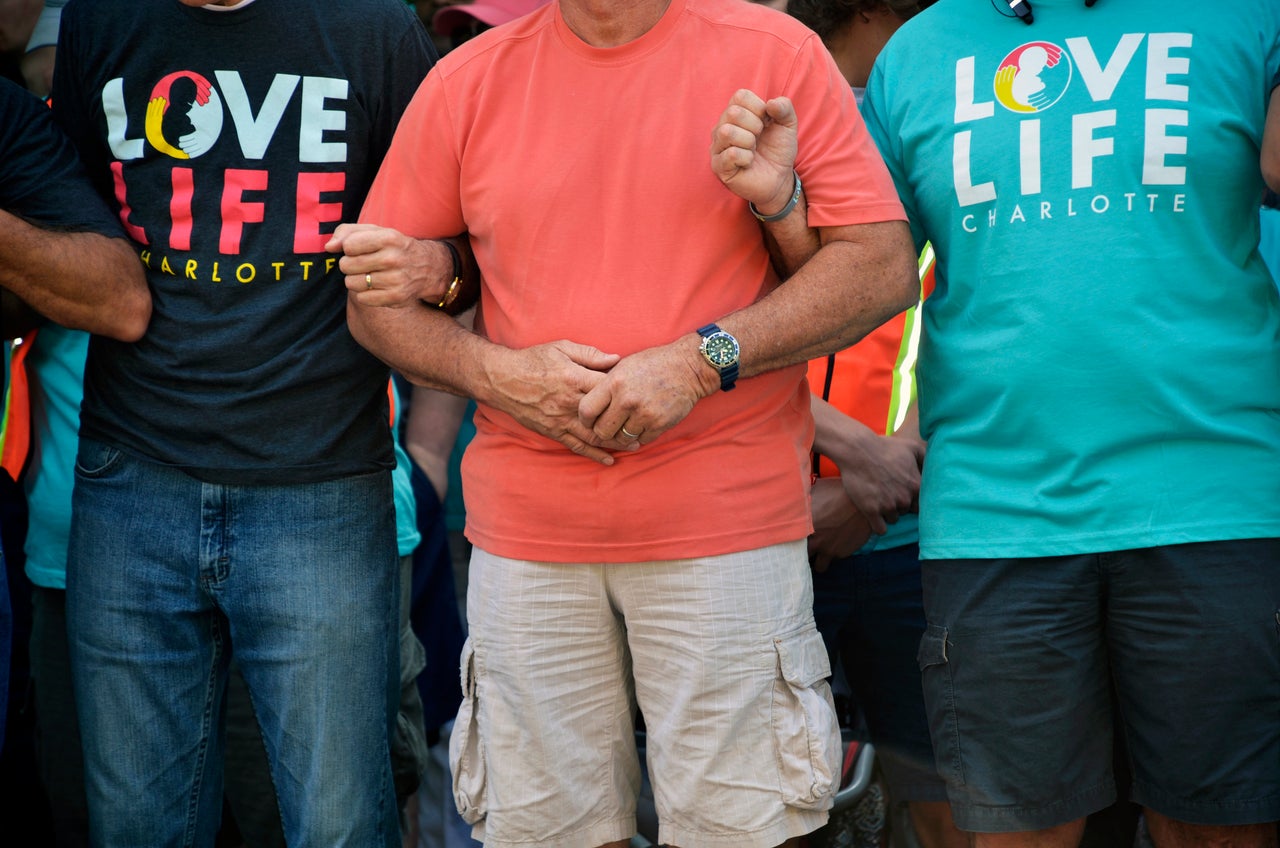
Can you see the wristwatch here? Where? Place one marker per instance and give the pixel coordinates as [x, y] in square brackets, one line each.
[720, 350]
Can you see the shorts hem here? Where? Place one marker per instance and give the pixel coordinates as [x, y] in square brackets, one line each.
[793, 822]
[600, 833]
[1012, 819]
[1214, 813]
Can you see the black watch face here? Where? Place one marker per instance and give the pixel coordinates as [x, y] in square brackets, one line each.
[721, 350]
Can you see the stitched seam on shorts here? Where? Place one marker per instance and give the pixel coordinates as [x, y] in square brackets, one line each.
[953, 717]
[995, 813]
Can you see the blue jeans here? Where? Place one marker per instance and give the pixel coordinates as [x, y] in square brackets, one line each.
[165, 575]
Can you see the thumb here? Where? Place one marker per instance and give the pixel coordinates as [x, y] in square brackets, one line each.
[781, 110]
[334, 244]
[590, 357]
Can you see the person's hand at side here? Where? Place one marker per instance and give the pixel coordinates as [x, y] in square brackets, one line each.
[880, 474]
[886, 484]
[839, 528]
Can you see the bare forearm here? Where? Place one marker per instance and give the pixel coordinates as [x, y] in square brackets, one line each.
[435, 417]
[791, 242]
[844, 292]
[541, 387]
[838, 436]
[428, 347]
[84, 281]
[431, 430]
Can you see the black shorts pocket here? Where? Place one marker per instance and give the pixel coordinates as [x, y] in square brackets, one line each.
[939, 700]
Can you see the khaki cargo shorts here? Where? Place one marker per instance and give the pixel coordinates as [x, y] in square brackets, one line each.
[722, 657]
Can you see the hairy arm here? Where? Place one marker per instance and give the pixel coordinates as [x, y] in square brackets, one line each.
[81, 280]
[432, 426]
[861, 276]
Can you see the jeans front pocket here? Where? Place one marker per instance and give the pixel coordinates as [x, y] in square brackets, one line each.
[806, 730]
[466, 747]
[94, 459]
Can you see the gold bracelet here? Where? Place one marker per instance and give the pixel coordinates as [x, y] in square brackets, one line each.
[451, 293]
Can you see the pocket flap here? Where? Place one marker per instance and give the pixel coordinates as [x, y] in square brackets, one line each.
[803, 658]
[466, 669]
[933, 647]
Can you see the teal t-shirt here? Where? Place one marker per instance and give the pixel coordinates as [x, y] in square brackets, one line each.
[1100, 367]
[1269, 246]
[407, 535]
[55, 378]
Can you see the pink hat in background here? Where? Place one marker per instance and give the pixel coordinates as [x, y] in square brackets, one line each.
[491, 12]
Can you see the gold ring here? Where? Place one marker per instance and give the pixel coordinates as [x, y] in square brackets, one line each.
[368, 282]
[630, 434]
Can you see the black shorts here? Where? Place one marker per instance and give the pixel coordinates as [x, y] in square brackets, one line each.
[1017, 659]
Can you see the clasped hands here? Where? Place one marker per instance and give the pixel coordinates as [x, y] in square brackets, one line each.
[594, 403]
[597, 403]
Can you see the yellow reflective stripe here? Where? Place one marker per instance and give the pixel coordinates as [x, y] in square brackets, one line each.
[904, 369]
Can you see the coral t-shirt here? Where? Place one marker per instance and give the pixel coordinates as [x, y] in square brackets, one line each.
[583, 178]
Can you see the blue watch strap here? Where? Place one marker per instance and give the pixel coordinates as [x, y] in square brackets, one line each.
[729, 373]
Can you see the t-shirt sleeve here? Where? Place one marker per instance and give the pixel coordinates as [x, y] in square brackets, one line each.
[407, 64]
[42, 179]
[845, 180]
[874, 106]
[416, 190]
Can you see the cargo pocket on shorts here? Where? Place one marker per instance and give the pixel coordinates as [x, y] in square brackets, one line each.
[939, 698]
[466, 749]
[806, 731]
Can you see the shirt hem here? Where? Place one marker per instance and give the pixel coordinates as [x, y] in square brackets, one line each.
[1020, 547]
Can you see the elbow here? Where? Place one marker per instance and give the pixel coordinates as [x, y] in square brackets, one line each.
[909, 289]
[906, 271]
[1271, 172]
[131, 324]
[128, 315]
[356, 324]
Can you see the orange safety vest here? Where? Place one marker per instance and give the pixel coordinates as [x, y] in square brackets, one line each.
[15, 431]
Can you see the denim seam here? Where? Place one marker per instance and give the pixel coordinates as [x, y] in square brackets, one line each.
[197, 784]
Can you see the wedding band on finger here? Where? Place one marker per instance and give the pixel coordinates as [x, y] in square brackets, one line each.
[629, 434]
[368, 282]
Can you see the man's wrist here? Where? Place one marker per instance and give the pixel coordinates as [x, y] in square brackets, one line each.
[785, 208]
[852, 445]
[706, 375]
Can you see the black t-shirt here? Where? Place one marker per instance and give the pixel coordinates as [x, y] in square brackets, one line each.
[234, 142]
[41, 178]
